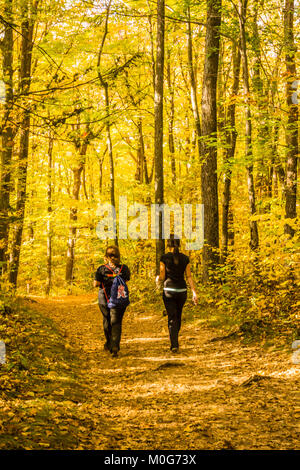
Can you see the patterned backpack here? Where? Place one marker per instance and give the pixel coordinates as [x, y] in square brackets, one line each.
[119, 293]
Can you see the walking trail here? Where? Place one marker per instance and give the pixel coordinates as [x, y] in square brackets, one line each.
[211, 395]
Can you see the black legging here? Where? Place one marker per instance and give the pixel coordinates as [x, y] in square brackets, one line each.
[112, 322]
[174, 302]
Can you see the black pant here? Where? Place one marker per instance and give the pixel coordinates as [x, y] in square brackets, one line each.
[174, 302]
[112, 322]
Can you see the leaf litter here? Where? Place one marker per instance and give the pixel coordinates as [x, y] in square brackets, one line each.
[61, 390]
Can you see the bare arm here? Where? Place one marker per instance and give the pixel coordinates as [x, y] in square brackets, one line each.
[162, 274]
[191, 283]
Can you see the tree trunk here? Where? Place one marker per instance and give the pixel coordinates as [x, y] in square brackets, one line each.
[152, 45]
[105, 87]
[25, 81]
[230, 137]
[158, 117]
[49, 210]
[73, 229]
[8, 132]
[101, 162]
[278, 173]
[209, 182]
[110, 154]
[254, 241]
[263, 133]
[142, 147]
[278, 170]
[292, 125]
[142, 161]
[140, 154]
[74, 215]
[171, 119]
[193, 86]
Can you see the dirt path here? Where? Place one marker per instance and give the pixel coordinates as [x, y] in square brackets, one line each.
[211, 395]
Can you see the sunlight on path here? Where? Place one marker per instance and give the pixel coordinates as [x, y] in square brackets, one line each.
[219, 395]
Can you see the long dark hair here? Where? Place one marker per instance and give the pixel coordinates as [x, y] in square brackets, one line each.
[174, 243]
[112, 252]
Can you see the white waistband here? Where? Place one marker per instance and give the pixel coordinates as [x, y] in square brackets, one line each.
[174, 289]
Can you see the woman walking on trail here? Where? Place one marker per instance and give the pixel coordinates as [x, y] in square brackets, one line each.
[112, 312]
[173, 266]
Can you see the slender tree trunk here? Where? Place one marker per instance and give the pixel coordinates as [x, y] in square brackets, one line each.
[278, 170]
[25, 80]
[209, 182]
[49, 223]
[77, 170]
[278, 173]
[110, 153]
[8, 132]
[153, 63]
[230, 137]
[193, 85]
[21, 199]
[158, 116]
[171, 118]
[292, 125]
[142, 168]
[73, 229]
[105, 87]
[84, 183]
[142, 147]
[263, 134]
[254, 240]
[140, 154]
[101, 162]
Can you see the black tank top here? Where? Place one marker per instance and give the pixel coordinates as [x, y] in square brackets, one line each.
[175, 272]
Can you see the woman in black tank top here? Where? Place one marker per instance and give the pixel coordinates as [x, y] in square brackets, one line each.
[174, 267]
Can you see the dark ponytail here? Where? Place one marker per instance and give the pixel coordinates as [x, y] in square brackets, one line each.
[174, 243]
[176, 255]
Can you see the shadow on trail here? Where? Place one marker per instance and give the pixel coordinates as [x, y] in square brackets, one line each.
[210, 395]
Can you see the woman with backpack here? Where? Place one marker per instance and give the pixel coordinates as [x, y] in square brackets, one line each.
[113, 297]
[174, 267]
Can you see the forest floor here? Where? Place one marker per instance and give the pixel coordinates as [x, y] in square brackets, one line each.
[213, 394]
